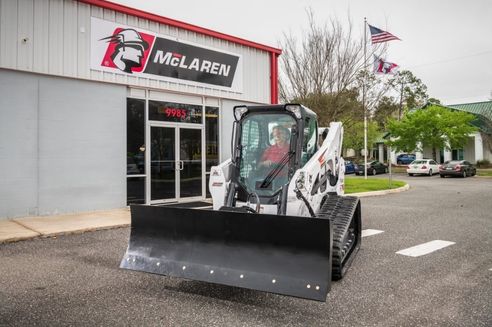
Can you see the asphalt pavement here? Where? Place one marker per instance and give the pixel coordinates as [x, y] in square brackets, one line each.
[75, 279]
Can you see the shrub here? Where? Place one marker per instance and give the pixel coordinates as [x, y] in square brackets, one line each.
[483, 163]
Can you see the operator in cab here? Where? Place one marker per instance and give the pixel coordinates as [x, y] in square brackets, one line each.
[276, 152]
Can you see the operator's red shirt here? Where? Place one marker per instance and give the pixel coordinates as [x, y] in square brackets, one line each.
[275, 153]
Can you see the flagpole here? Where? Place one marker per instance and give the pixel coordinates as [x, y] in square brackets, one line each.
[364, 99]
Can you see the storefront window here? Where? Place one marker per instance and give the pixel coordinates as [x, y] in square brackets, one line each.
[175, 112]
[135, 150]
[211, 140]
[135, 142]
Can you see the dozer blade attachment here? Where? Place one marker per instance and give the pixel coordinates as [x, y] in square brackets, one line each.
[279, 254]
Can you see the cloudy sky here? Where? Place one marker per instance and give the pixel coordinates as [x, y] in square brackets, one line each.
[446, 43]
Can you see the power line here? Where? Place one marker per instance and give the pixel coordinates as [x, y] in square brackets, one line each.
[453, 59]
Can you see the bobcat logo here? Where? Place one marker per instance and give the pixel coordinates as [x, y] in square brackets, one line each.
[129, 48]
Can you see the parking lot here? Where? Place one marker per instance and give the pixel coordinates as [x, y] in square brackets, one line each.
[445, 281]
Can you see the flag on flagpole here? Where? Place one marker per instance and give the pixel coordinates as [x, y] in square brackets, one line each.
[380, 36]
[384, 67]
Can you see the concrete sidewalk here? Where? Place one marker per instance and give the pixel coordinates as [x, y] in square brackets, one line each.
[29, 227]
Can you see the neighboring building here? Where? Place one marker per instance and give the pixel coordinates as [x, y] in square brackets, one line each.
[479, 145]
[380, 150]
[102, 105]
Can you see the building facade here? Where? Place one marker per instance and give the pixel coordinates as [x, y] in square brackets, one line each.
[102, 105]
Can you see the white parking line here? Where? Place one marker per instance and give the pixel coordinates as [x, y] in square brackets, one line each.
[370, 232]
[425, 248]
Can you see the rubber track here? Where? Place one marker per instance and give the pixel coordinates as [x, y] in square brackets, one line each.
[341, 210]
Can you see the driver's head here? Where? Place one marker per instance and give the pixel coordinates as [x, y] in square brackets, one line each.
[280, 134]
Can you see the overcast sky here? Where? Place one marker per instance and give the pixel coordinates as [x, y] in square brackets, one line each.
[446, 43]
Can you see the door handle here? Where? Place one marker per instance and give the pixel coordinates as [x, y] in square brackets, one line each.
[181, 165]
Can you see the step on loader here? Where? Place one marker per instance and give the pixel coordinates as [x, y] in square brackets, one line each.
[280, 222]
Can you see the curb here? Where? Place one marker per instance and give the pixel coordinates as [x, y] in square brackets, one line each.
[404, 188]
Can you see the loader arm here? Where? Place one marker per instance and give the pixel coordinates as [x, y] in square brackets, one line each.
[324, 173]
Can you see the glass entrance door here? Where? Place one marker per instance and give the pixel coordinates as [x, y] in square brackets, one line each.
[176, 158]
[162, 163]
[190, 160]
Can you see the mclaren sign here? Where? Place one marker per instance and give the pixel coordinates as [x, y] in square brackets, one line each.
[123, 49]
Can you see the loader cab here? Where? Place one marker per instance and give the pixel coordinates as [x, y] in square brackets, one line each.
[270, 144]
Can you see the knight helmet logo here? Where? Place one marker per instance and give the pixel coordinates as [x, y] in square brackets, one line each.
[128, 49]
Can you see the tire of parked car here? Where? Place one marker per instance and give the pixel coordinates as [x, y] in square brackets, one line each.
[410, 174]
[442, 176]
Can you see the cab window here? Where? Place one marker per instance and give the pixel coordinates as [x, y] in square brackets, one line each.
[265, 144]
[310, 139]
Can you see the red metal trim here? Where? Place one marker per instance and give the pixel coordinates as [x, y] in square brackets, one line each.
[175, 23]
[273, 78]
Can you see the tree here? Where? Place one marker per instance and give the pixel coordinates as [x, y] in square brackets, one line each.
[413, 93]
[434, 127]
[386, 108]
[341, 106]
[353, 136]
[434, 101]
[322, 70]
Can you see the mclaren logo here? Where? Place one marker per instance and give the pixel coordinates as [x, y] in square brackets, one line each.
[128, 51]
[196, 64]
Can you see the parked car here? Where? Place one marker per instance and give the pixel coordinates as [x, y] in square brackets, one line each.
[405, 158]
[349, 167]
[461, 168]
[423, 166]
[373, 168]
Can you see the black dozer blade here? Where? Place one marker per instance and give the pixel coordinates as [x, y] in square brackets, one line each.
[287, 255]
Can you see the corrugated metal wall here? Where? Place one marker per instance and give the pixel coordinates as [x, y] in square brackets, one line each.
[53, 37]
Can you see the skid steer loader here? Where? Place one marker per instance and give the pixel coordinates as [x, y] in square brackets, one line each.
[279, 223]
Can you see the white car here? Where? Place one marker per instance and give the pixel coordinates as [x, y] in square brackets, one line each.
[423, 166]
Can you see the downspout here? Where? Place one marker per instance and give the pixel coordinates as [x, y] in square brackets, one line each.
[274, 78]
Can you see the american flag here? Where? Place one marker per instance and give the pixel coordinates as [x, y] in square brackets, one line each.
[380, 36]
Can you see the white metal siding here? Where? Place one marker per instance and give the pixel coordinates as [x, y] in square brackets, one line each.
[41, 59]
[53, 37]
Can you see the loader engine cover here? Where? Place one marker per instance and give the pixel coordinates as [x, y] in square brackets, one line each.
[279, 254]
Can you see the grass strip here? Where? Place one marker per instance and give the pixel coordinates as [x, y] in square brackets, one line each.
[356, 185]
[484, 172]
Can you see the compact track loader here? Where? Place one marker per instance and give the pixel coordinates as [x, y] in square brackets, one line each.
[279, 223]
